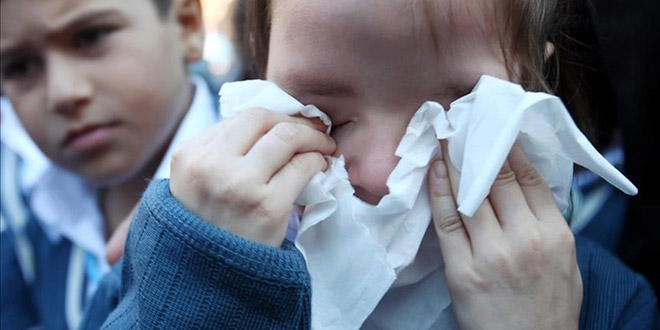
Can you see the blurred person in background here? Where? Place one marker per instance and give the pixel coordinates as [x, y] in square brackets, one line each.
[221, 61]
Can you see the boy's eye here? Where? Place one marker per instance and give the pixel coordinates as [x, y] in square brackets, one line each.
[90, 37]
[20, 68]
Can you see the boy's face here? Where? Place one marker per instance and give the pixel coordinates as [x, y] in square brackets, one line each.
[100, 85]
[370, 64]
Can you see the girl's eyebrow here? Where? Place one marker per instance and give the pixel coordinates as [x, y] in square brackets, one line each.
[312, 84]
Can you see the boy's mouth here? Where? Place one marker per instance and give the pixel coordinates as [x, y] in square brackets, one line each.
[88, 137]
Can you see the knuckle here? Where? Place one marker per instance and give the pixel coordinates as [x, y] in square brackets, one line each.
[287, 132]
[535, 242]
[566, 240]
[308, 162]
[533, 247]
[527, 176]
[183, 164]
[505, 175]
[272, 213]
[255, 113]
[302, 163]
[499, 261]
[178, 156]
[182, 154]
[496, 260]
[469, 279]
[234, 191]
[449, 223]
[440, 189]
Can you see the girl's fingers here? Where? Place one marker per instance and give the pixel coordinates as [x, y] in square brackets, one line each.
[508, 199]
[241, 132]
[290, 180]
[483, 226]
[452, 234]
[277, 147]
[538, 195]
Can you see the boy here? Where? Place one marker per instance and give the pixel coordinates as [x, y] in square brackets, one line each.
[102, 88]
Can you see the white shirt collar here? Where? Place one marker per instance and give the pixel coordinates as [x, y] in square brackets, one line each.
[14, 137]
[67, 205]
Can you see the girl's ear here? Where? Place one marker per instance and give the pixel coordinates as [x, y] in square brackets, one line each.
[549, 50]
[188, 15]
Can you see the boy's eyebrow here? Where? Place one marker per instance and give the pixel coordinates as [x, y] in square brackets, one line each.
[80, 20]
[62, 28]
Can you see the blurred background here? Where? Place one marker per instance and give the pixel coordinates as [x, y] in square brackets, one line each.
[221, 62]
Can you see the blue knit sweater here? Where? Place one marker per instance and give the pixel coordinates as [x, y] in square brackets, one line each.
[180, 272]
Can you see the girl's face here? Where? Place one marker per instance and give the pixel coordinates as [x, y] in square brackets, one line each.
[370, 64]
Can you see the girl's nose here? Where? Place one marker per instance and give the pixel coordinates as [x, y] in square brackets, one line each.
[370, 156]
[369, 171]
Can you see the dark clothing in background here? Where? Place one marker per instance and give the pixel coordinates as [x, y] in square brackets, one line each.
[618, 44]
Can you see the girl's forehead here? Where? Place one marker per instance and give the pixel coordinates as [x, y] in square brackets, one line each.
[438, 19]
[445, 27]
[363, 39]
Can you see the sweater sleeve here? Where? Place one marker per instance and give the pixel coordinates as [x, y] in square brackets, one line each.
[180, 272]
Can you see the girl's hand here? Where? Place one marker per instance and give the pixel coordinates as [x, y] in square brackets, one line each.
[513, 265]
[244, 174]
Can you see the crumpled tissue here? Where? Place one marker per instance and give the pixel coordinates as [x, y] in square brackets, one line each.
[356, 252]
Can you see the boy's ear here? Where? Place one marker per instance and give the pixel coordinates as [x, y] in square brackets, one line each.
[188, 14]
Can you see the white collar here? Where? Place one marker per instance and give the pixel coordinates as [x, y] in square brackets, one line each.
[67, 206]
[14, 137]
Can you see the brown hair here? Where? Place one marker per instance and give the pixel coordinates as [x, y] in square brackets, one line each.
[256, 36]
[524, 28]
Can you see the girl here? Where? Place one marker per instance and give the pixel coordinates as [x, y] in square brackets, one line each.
[207, 248]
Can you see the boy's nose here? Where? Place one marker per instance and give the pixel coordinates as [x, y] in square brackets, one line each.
[68, 89]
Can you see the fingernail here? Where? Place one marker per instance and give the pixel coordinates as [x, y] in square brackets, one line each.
[440, 169]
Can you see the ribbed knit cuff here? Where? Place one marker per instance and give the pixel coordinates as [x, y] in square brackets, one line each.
[285, 264]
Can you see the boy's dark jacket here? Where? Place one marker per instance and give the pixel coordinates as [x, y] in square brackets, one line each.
[180, 272]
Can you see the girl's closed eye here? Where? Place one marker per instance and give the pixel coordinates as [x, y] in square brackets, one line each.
[338, 121]
[447, 96]
[339, 125]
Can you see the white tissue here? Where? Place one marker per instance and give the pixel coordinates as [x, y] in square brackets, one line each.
[356, 252]
[483, 126]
